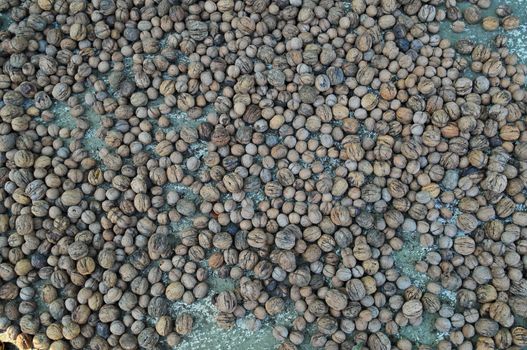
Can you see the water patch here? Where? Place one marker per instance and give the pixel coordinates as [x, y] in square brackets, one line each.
[207, 335]
[182, 224]
[92, 141]
[256, 196]
[183, 190]
[449, 297]
[452, 206]
[406, 258]
[219, 284]
[62, 116]
[521, 207]
[199, 149]
[179, 119]
[423, 334]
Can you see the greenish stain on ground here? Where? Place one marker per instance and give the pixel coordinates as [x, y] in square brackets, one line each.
[423, 334]
[206, 334]
[406, 258]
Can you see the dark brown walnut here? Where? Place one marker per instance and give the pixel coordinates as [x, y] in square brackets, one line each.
[23, 341]
[412, 293]
[252, 114]
[285, 177]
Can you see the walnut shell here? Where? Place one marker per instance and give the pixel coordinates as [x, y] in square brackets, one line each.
[487, 327]
[464, 245]
[225, 5]
[220, 136]
[273, 189]
[510, 22]
[355, 289]
[431, 303]
[164, 326]
[519, 336]
[364, 41]
[225, 320]
[252, 114]
[327, 325]
[500, 312]
[24, 159]
[274, 306]
[412, 309]
[509, 133]
[467, 222]
[226, 301]
[86, 265]
[340, 215]
[250, 290]
[197, 30]
[369, 101]
[246, 25]
[184, 324]
[285, 239]
[23, 341]
[8, 291]
[257, 238]
[233, 182]
[379, 341]
[308, 93]
[77, 250]
[71, 197]
[285, 177]
[336, 299]
[24, 224]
